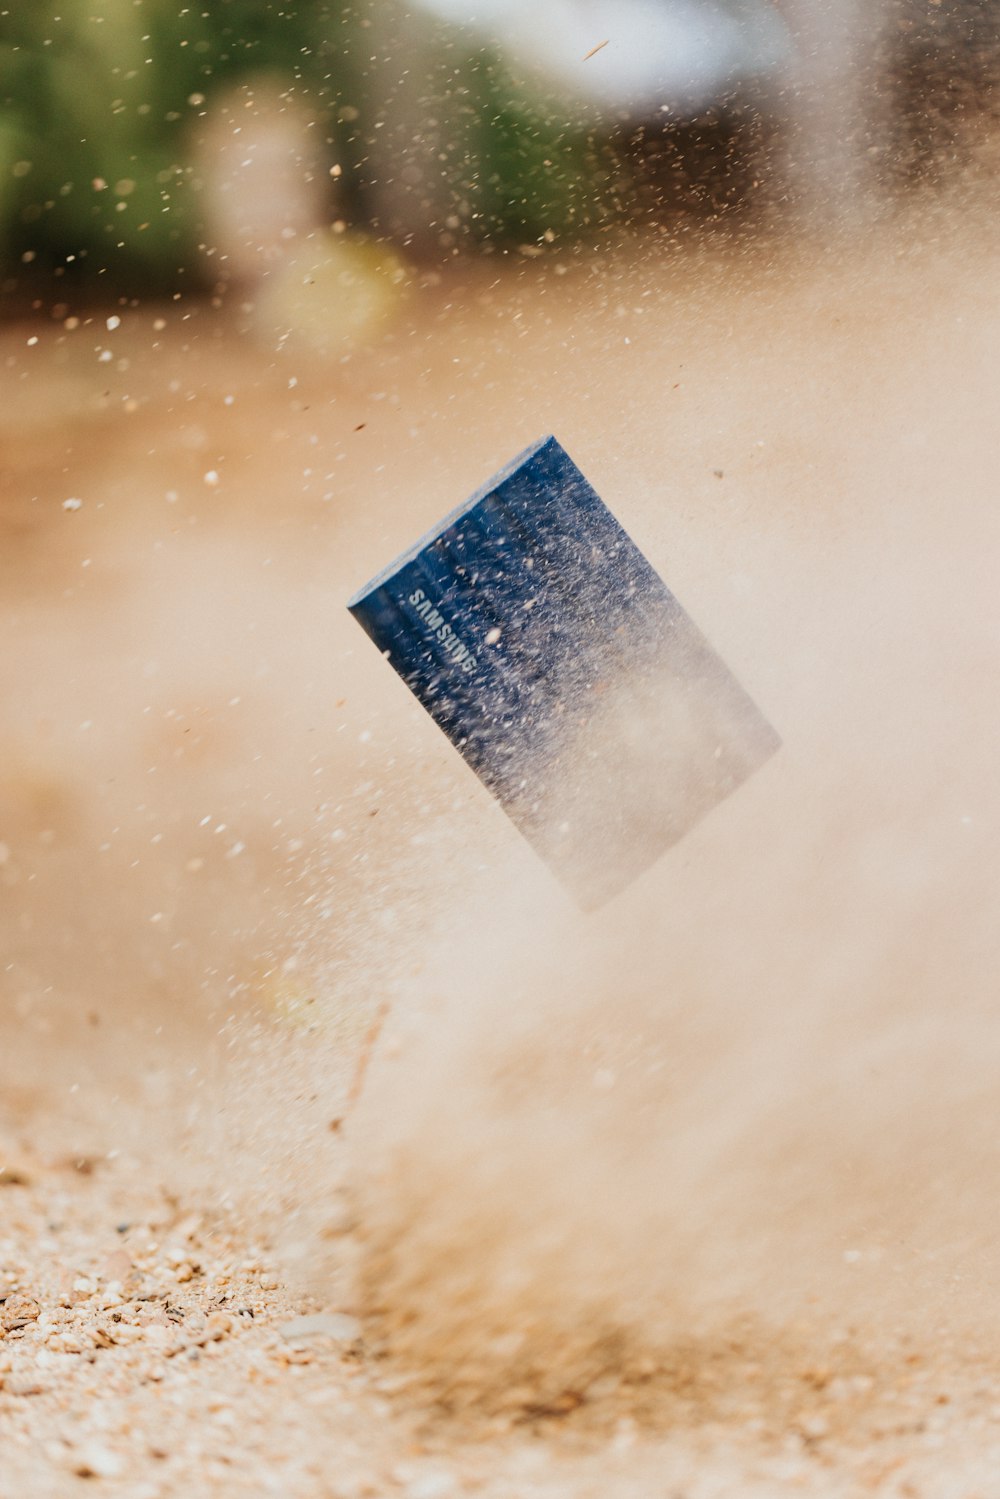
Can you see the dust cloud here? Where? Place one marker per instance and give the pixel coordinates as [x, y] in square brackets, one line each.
[753, 1097]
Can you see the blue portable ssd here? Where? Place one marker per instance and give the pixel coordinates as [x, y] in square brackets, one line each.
[564, 671]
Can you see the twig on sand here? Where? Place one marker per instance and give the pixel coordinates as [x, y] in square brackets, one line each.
[365, 1056]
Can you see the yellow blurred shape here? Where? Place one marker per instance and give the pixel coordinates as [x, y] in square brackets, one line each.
[331, 294]
[290, 999]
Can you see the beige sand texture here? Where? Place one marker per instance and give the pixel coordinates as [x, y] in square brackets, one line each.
[694, 1195]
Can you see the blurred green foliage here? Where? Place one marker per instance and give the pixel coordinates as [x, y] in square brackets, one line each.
[536, 173]
[100, 102]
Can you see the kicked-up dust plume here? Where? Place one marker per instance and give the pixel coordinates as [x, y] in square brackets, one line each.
[756, 1091]
[722, 1154]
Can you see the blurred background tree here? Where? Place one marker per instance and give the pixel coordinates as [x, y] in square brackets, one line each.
[102, 103]
[424, 129]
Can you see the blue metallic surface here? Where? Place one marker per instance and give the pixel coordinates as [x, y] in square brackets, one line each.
[514, 622]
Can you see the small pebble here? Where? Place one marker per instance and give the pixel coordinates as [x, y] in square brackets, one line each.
[17, 1311]
[94, 1461]
[117, 1267]
[337, 1326]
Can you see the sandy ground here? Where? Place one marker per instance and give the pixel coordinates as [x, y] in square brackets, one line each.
[227, 839]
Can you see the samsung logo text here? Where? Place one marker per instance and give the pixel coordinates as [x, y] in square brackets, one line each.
[458, 654]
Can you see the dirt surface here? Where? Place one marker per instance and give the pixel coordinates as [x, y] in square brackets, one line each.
[721, 1160]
